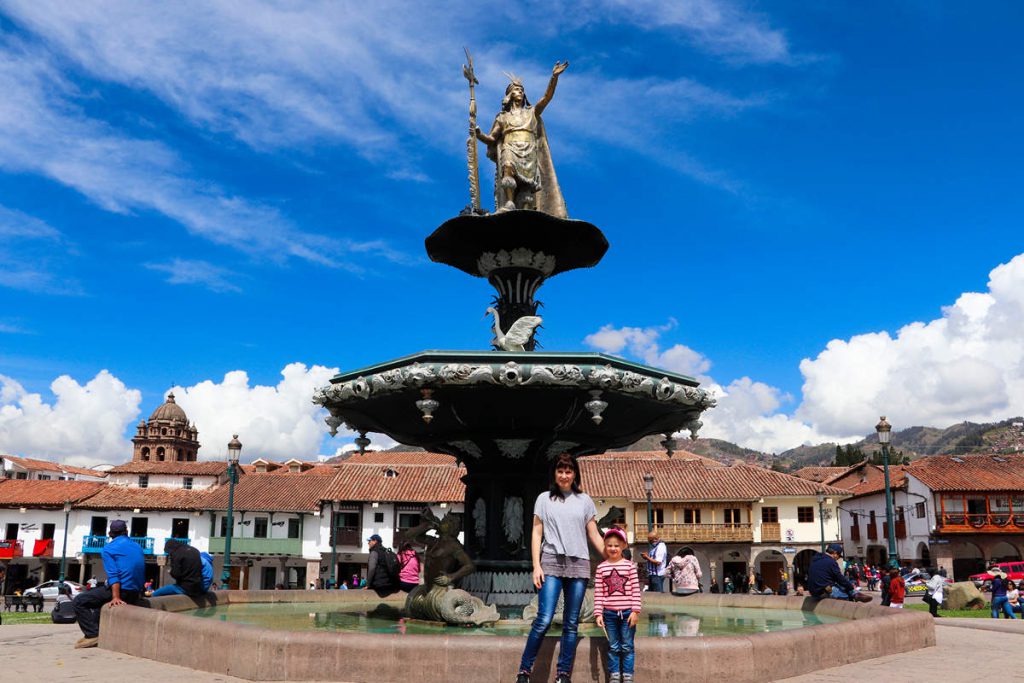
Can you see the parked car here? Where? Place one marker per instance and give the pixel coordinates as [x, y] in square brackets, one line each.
[49, 589]
[1014, 572]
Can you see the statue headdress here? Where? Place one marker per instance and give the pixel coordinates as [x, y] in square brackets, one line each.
[513, 81]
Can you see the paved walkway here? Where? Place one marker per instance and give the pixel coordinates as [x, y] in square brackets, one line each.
[39, 653]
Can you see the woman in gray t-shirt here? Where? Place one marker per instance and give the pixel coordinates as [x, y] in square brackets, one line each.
[564, 518]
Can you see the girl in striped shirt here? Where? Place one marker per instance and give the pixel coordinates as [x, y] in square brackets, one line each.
[617, 605]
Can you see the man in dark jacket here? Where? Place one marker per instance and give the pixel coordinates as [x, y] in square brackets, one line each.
[377, 577]
[186, 570]
[825, 580]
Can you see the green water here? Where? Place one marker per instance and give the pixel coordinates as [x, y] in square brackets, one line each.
[673, 621]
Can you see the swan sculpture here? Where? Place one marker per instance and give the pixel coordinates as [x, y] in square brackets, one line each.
[518, 335]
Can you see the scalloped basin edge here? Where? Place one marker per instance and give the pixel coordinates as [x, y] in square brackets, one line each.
[262, 654]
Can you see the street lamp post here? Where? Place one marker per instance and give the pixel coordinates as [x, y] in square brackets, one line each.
[334, 547]
[64, 548]
[821, 519]
[884, 430]
[649, 489]
[234, 452]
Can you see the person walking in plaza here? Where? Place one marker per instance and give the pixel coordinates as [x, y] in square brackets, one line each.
[617, 603]
[935, 594]
[564, 519]
[125, 565]
[685, 573]
[783, 583]
[657, 562]
[409, 562]
[1000, 603]
[897, 589]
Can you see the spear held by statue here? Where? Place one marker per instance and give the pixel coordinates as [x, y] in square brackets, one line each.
[474, 169]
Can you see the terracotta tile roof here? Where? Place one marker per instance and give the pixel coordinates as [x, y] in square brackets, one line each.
[413, 483]
[680, 480]
[308, 467]
[677, 456]
[970, 472]
[48, 466]
[130, 497]
[394, 458]
[45, 494]
[819, 474]
[269, 492]
[874, 479]
[206, 467]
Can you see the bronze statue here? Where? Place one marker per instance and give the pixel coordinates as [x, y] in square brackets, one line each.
[444, 563]
[524, 176]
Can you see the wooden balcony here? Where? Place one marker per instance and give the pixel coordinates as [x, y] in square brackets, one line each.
[771, 532]
[993, 522]
[699, 533]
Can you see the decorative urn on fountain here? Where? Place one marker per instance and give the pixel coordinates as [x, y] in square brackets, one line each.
[506, 413]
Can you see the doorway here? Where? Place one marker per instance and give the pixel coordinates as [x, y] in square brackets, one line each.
[268, 580]
[179, 528]
[737, 573]
[98, 527]
[771, 573]
[12, 532]
[140, 527]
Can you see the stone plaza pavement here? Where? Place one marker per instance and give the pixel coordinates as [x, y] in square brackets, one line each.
[967, 650]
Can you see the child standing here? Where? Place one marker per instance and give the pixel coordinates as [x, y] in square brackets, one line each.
[617, 605]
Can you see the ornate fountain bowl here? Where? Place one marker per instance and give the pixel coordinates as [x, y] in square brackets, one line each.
[510, 405]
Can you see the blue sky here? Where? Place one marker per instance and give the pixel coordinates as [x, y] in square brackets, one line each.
[797, 196]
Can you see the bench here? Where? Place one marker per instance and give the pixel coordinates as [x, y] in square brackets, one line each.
[21, 603]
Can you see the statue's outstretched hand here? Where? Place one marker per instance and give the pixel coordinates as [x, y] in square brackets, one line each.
[559, 68]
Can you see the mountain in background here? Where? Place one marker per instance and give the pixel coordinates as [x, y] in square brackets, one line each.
[1003, 437]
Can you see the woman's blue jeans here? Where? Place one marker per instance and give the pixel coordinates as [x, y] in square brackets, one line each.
[547, 601]
[1002, 604]
[620, 641]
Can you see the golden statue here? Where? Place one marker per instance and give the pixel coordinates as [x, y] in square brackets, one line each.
[524, 176]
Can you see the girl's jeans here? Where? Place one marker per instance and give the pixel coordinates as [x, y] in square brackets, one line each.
[1002, 604]
[620, 641]
[547, 600]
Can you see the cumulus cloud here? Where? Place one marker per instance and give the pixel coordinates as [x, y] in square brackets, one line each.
[966, 365]
[273, 421]
[84, 425]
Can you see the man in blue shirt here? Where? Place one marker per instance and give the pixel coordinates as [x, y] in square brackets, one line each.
[125, 566]
[825, 580]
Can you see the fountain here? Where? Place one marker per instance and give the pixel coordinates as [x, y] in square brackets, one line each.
[505, 413]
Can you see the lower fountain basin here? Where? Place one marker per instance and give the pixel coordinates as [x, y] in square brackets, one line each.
[171, 632]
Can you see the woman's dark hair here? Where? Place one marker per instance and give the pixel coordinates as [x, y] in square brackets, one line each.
[565, 460]
[683, 552]
[405, 546]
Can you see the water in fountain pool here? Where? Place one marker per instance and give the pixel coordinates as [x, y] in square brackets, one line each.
[674, 621]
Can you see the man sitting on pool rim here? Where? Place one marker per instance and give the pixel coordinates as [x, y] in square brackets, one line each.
[825, 580]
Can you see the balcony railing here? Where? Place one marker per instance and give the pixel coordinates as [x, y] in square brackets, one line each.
[1003, 522]
[348, 535]
[95, 544]
[11, 548]
[771, 532]
[258, 546]
[699, 533]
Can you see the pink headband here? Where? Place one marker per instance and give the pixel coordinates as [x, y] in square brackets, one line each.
[617, 532]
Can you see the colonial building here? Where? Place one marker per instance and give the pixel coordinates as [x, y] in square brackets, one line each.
[166, 436]
[960, 512]
[736, 519]
[12, 467]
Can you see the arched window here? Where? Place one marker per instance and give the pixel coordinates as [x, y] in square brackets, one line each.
[145, 453]
[177, 454]
[160, 454]
[163, 431]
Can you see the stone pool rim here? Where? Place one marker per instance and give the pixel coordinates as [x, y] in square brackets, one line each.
[263, 654]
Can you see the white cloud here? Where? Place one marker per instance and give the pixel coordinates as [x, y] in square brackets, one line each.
[85, 424]
[297, 74]
[966, 365]
[276, 422]
[196, 272]
[31, 255]
[43, 130]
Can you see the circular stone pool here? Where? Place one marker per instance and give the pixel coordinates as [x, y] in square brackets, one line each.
[270, 636]
[657, 621]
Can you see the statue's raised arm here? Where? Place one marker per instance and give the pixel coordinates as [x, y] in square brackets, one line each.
[556, 70]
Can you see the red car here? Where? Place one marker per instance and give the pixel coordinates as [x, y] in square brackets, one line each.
[1014, 572]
